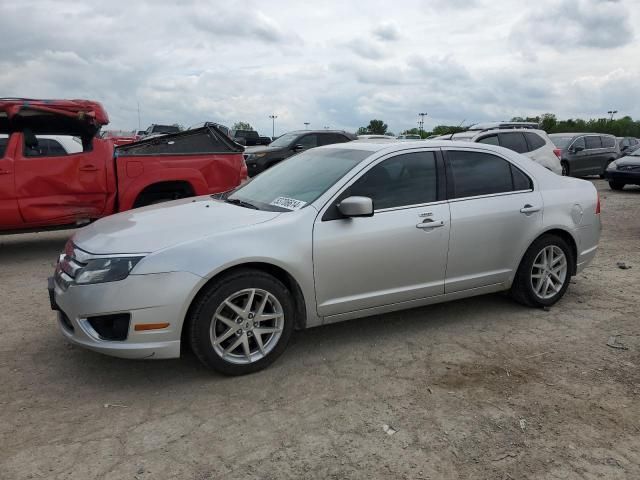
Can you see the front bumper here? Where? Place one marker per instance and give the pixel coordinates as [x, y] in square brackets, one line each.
[154, 298]
[623, 176]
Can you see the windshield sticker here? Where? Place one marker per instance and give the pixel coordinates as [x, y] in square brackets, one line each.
[288, 203]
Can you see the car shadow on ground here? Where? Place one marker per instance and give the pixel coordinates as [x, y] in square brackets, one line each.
[318, 344]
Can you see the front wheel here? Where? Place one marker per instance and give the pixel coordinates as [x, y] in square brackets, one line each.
[565, 169]
[544, 272]
[616, 185]
[242, 323]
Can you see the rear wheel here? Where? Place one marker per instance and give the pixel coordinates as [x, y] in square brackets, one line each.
[544, 272]
[242, 322]
[565, 168]
[616, 185]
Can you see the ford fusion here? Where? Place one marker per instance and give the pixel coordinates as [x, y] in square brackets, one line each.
[331, 234]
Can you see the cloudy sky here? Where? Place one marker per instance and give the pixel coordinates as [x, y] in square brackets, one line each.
[330, 63]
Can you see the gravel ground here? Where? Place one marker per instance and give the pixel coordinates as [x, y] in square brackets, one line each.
[479, 388]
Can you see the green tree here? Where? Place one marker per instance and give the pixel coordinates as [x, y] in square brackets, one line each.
[377, 127]
[548, 121]
[242, 126]
[362, 131]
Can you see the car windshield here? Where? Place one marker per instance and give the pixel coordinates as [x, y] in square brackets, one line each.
[561, 141]
[284, 140]
[299, 180]
[635, 153]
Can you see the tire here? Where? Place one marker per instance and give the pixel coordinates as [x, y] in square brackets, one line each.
[616, 185]
[528, 275]
[565, 168]
[226, 300]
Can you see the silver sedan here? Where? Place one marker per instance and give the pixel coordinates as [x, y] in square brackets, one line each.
[333, 233]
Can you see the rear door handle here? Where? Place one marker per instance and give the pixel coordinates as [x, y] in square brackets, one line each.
[88, 168]
[530, 209]
[429, 224]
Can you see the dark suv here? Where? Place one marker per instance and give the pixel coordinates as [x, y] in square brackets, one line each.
[627, 144]
[584, 154]
[259, 159]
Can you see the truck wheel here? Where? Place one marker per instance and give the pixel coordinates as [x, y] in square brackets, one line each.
[544, 272]
[242, 322]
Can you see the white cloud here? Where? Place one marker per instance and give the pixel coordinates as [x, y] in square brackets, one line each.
[228, 61]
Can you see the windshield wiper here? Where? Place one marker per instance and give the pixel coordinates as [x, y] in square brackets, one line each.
[241, 203]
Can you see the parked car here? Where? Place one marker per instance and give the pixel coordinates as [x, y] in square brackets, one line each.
[155, 129]
[627, 144]
[345, 231]
[261, 158]
[55, 171]
[624, 171]
[520, 137]
[409, 136]
[246, 137]
[583, 154]
[376, 137]
[120, 137]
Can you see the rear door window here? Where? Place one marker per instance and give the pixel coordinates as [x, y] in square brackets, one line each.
[308, 141]
[477, 173]
[534, 140]
[489, 140]
[593, 141]
[514, 141]
[43, 147]
[331, 138]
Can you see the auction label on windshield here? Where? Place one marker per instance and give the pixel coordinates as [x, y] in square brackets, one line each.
[288, 203]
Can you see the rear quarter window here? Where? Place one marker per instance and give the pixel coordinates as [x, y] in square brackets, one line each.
[514, 141]
[534, 140]
[489, 140]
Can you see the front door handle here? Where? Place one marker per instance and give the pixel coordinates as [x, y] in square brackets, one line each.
[88, 168]
[529, 209]
[429, 224]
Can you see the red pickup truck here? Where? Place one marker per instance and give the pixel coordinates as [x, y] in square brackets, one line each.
[44, 186]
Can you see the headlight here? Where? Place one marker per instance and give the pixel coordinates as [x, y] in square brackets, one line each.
[102, 270]
[612, 166]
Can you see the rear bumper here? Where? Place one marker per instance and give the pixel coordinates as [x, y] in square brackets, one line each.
[155, 298]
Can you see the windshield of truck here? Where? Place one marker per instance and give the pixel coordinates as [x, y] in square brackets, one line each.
[299, 180]
[3, 144]
[165, 129]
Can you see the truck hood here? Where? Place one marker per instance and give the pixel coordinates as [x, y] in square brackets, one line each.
[153, 228]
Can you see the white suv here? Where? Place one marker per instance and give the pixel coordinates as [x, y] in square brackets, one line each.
[530, 142]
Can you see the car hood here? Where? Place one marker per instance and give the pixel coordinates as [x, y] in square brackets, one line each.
[630, 160]
[153, 228]
[262, 149]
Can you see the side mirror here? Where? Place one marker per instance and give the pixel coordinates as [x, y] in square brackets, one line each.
[577, 148]
[356, 207]
[298, 147]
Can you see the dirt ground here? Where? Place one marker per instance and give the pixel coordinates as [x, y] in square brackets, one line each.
[479, 388]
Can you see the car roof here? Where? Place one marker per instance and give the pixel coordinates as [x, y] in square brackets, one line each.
[576, 134]
[373, 145]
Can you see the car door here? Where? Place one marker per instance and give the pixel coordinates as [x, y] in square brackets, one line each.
[331, 138]
[397, 255]
[595, 155]
[495, 214]
[52, 185]
[578, 157]
[9, 212]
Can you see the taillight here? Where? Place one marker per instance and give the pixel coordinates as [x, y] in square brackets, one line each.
[558, 153]
[598, 204]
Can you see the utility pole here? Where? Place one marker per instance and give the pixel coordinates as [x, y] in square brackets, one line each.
[612, 113]
[421, 129]
[139, 126]
[273, 124]
[306, 125]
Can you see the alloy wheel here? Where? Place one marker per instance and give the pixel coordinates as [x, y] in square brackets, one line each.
[549, 272]
[246, 326]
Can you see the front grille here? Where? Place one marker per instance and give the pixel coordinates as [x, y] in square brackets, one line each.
[68, 265]
[111, 327]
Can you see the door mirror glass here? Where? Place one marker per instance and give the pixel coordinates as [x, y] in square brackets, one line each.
[577, 148]
[356, 207]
